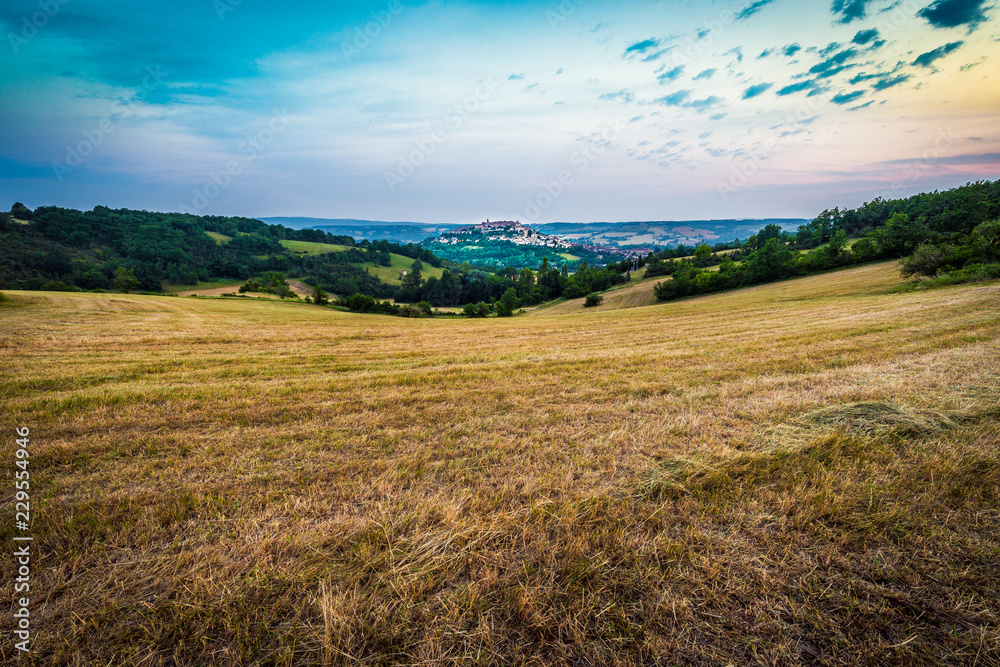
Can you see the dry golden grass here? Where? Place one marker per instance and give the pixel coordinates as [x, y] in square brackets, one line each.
[798, 473]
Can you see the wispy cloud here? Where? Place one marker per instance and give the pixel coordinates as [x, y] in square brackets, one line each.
[674, 99]
[671, 75]
[755, 90]
[847, 98]
[928, 59]
[752, 9]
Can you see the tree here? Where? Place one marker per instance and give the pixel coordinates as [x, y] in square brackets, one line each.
[772, 262]
[20, 211]
[410, 289]
[836, 250]
[319, 296]
[507, 303]
[703, 255]
[125, 280]
[593, 299]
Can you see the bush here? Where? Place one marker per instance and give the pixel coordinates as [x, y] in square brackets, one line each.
[319, 296]
[925, 261]
[593, 299]
[481, 309]
[409, 310]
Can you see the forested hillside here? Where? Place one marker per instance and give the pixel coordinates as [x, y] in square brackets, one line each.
[57, 249]
[938, 232]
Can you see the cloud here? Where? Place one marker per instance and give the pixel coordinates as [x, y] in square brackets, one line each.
[791, 50]
[705, 103]
[643, 46]
[967, 158]
[737, 51]
[834, 62]
[674, 99]
[969, 66]
[750, 10]
[864, 36]
[849, 10]
[705, 74]
[796, 87]
[927, 59]
[622, 95]
[889, 81]
[717, 116]
[671, 74]
[516, 77]
[846, 98]
[755, 90]
[828, 49]
[953, 13]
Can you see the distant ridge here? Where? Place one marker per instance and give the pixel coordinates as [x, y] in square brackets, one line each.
[299, 222]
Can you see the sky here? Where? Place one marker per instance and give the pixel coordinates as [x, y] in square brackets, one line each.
[459, 111]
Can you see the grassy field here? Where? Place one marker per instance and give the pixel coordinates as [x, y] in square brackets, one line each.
[311, 248]
[798, 473]
[391, 274]
[204, 286]
[220, 239]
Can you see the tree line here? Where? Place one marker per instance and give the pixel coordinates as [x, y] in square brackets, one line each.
[938, 231]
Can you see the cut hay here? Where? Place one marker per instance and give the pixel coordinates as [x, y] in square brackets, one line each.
[877, 417]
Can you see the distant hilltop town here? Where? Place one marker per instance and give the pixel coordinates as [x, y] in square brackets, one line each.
[514, 232]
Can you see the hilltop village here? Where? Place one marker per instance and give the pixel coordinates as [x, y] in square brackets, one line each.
[519, 234]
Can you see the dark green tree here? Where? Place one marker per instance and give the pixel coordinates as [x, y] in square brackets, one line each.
[507, 303]
[772, 262]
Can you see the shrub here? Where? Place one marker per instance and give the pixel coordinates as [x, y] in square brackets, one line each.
[319, 296]
[409, 310]
[593, 299]
[481, 309]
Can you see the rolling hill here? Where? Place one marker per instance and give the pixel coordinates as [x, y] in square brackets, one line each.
[801, 472]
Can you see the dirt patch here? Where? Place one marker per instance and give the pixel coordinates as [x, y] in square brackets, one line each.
[297, 286]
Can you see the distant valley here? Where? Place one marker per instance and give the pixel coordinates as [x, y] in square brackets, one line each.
[658, 233]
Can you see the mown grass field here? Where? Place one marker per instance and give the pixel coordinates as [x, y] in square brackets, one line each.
[312, 248]
[798, 473]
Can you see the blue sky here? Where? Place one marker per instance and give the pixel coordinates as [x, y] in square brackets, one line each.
[576, 110]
